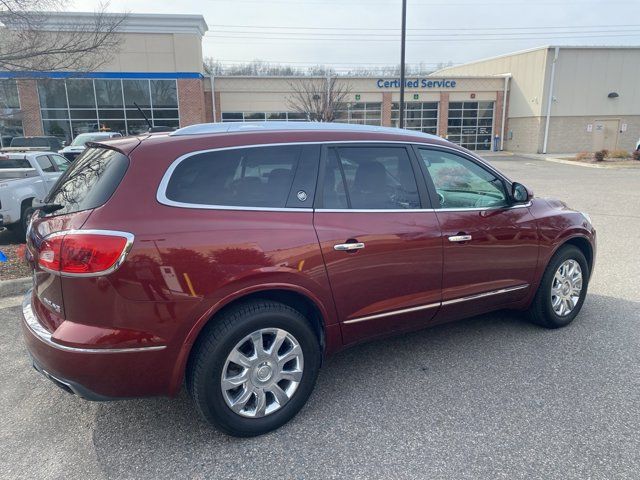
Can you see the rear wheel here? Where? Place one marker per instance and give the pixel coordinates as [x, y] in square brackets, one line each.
[563, 289]
[254, 368]
[19, 229]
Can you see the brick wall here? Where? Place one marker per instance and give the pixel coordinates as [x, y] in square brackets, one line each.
[526, 134]
[443, 114]
[191, 101]
[386, 109]
[208, 107]
[570, 135]
[30, 107]
[218, 107]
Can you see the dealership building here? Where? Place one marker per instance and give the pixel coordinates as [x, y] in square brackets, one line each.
[548, 99]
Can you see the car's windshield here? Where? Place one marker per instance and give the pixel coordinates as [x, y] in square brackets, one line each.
[83, 138]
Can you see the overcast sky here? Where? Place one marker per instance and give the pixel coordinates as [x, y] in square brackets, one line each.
[354, 32]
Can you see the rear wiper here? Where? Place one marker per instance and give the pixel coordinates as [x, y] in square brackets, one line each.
[49, 207]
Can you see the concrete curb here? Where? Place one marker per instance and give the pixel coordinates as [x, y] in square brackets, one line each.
[578, 164]
[490, 154]
[12, 288]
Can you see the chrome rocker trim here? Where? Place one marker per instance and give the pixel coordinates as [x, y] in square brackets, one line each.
[438, 304]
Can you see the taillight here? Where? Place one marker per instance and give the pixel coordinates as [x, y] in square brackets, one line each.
[84, 252]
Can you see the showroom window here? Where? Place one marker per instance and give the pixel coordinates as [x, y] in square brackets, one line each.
[74, 106]
[471, 124]
[263, 116]
[421, 116]
[364, 113]
[11, 118]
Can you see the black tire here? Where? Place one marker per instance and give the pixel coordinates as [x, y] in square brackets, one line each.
[217, 341]
[19, 229]
[541, 311]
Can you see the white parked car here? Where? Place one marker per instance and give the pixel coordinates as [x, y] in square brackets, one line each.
[24, 178]
[79, 143]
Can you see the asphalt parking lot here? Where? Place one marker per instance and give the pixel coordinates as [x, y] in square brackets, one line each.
[490, 397]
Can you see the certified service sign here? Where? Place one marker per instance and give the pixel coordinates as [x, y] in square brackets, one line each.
[416, 83]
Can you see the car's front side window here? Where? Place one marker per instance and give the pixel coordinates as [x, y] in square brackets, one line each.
[461, 183]
[369, 178]
[45, 164]
[61, 162]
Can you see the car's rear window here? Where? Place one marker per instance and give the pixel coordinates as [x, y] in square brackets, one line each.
[90, 181]
[244, 177]
[30, 142]
[14, 163]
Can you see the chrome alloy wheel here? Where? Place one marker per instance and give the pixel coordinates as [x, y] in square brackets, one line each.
[566, 287]
[262, 372]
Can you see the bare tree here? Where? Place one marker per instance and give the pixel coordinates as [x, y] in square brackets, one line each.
[319, 99]
[35, 37]
[259, 68]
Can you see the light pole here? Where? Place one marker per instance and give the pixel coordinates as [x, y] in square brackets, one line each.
[402, 47]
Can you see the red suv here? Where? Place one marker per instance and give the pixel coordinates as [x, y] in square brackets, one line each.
[235, 257]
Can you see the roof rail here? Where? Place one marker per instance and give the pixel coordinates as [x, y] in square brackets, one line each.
[237, 127]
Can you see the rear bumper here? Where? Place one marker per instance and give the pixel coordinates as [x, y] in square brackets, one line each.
[96, 373]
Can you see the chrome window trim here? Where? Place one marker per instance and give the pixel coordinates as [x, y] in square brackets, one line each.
[414, 210]
[45, 336]
[161, 193]
[115, 233]
[437, 304]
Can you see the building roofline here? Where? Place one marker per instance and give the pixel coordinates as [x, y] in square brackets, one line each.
[339, 77]
[495, 57]
[542, 47]
[133, 22]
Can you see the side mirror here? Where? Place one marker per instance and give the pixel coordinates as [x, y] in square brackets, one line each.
[520, 193]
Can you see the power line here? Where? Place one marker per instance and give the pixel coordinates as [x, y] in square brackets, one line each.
[332, 63]
[508, 3]
[423, 29]
[346, 36]
[431, 40]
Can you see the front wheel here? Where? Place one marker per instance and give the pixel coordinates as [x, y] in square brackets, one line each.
[254, 368]
[562, 290]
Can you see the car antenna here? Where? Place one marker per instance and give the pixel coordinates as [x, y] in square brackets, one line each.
[144, 116]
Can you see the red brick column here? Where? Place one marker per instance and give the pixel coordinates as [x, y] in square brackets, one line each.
[208, 107]
[443, 114]
[218, 108]
[30, 107]
[386, 109]
[191, 101]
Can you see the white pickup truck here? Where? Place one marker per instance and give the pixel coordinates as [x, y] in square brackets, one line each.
[25, 177]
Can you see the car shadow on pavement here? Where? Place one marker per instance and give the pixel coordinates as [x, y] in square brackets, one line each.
[489, 376]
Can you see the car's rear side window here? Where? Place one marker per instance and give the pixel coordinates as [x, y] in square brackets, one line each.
[90, 181]
[242, 177]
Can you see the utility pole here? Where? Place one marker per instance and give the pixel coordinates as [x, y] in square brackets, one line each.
[402, 48]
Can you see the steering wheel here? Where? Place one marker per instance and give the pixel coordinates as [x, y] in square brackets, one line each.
[441, 199]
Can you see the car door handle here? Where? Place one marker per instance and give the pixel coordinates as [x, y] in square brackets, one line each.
[459, 238]
[348, 247]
